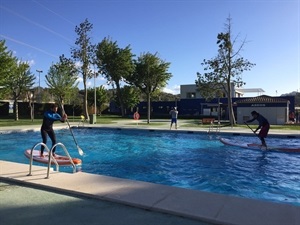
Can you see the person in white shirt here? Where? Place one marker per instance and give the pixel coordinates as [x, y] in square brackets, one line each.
[174, 114]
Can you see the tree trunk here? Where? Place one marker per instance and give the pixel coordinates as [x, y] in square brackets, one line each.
[16, 109]
[231, 113]
[85, 104]
[149, 107]
[31, 106]
[230, 106]
[120, 99]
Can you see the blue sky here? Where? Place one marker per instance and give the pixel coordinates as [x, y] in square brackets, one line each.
[183, 32]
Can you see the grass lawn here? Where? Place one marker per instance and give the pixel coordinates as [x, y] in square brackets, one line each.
[195, 123]
[106, 119]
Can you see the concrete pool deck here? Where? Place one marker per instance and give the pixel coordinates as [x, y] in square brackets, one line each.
[164, 124]
[200, 206]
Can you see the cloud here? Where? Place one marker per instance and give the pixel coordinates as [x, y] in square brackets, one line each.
[89, 84]
[79, 79]
[78, 65]
[172, 90]
[31, 62]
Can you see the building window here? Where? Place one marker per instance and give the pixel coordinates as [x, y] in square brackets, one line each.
[191, 95]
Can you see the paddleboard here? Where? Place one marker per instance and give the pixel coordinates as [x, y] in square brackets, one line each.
[61, 160]
[254, 146]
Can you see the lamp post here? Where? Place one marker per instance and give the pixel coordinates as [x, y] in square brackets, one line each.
[95, 101]
[39, 71]
[32, 104]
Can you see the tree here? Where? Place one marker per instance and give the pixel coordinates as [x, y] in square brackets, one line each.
[224, 70]
[131, 97]
[62, 79]
[7, 66]
[19, 81]
[84, 54]
[118, 65]
[163, 96]
[150, 75]
[101, 98]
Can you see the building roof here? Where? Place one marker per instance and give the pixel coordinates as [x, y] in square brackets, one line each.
[263, 99]
[250, 90]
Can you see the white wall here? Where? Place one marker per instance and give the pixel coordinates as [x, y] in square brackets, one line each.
[275, 115]
[192, 88]
[189, 88]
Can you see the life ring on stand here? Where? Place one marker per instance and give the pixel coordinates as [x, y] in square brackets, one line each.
[136, 116]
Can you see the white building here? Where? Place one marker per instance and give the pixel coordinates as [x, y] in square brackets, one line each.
[189, 91]
[276, 110]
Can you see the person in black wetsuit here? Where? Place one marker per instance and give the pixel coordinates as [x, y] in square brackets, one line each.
[263, 125]
[50, 117]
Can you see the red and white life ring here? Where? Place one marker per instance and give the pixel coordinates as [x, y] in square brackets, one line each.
[136, 116]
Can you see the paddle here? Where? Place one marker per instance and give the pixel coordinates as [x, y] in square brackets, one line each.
[80, 151]
[252, 130]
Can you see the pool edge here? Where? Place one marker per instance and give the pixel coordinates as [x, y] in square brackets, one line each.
[203, 206]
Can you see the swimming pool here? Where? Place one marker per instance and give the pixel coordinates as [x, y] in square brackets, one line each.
[187, 160]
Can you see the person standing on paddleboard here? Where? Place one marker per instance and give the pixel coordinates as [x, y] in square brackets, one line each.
[50, 117]
[263, 125]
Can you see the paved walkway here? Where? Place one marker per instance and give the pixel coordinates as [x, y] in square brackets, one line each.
[20, 205]
[83, 198]
[163, 124]
[183, 206]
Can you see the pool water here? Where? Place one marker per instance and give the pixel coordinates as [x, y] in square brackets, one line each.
[187, 160]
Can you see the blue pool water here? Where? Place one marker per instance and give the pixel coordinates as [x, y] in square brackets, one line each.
[187, 160]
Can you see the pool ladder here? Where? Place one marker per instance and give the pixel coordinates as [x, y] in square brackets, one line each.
[50, 158]
[211, 127]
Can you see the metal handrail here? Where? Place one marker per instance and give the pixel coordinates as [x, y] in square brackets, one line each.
[31, 157]
[218, 129]
[211, 127]
[51, 157]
